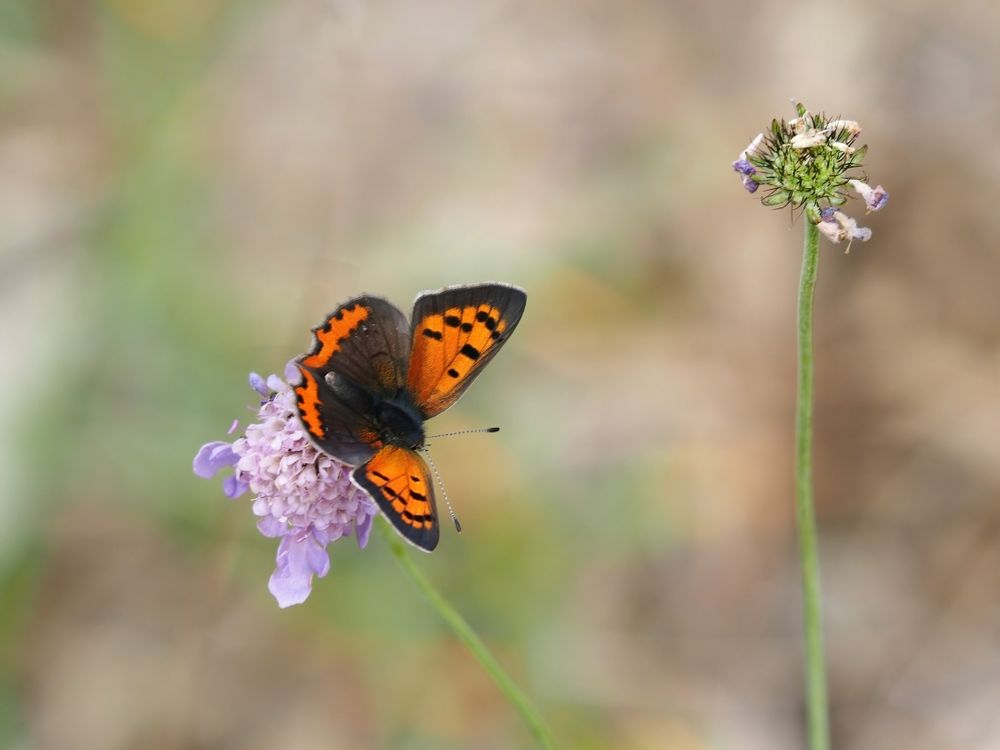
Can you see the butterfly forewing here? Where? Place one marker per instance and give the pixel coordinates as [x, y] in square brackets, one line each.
[399, 481]
[455, 333]
[359, 353]
[367, 341]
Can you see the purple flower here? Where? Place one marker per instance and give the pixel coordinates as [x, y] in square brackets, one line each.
[300, 555]
[874, 197]
[259, 384]
[746, 169]
[302, 496]
[837, 226]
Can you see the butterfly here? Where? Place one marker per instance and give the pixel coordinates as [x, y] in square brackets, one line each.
[371, 379]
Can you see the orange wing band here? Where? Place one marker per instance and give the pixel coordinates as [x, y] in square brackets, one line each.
[330, 335]
[308, 395]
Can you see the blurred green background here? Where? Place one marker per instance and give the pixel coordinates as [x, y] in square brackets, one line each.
[187, 186]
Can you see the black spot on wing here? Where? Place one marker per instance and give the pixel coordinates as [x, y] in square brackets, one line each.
[416, 516]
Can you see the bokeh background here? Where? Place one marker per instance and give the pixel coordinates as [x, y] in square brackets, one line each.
[187, 186]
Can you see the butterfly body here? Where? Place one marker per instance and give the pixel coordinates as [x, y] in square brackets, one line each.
[371, 379]
[400, 423]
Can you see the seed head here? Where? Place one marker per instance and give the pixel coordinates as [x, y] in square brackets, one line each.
[807, 163]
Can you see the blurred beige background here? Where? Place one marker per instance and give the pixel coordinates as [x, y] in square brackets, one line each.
[186, 187]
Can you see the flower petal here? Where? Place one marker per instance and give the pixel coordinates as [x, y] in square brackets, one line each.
[363, 530]
[752, 148]
[317, 557]
[271, 527]
[276, 384]
[875, 197]
[233, 487]
[212, 457]
[851, 127]
[746, 169]
[258, 384]
[299, 556]
[831, 230]
[808, 139]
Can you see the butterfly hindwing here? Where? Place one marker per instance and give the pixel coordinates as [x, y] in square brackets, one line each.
[398, 480]
[455, 332]
[338, 417]
[359, 353]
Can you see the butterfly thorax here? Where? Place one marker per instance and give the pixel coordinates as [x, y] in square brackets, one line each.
[399, 422]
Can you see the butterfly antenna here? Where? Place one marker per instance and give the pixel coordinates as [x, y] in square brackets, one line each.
[464, 432]
[444, 492]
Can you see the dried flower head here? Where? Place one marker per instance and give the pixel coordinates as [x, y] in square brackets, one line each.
[806, 163]
[302, 496]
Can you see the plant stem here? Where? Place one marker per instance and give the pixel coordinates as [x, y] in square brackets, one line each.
[468, 636]
[816, 700]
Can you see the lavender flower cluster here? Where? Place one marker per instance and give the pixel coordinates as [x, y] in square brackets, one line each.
[301, 496]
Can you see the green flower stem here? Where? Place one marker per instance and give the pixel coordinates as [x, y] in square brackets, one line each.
[819, 731]
[468, 636]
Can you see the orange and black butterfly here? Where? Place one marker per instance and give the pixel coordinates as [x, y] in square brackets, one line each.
[371, 378]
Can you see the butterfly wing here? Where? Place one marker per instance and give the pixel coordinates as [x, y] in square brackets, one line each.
[359, 354]
[398, 480]
[456, 331]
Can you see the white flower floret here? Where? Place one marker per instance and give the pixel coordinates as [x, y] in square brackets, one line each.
[851, 126]
[808, 139]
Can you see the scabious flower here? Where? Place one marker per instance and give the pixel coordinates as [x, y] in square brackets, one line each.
[302, 496]
[806, 163]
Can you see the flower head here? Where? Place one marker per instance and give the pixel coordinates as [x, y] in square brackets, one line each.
[806, 163]
[302, 496]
